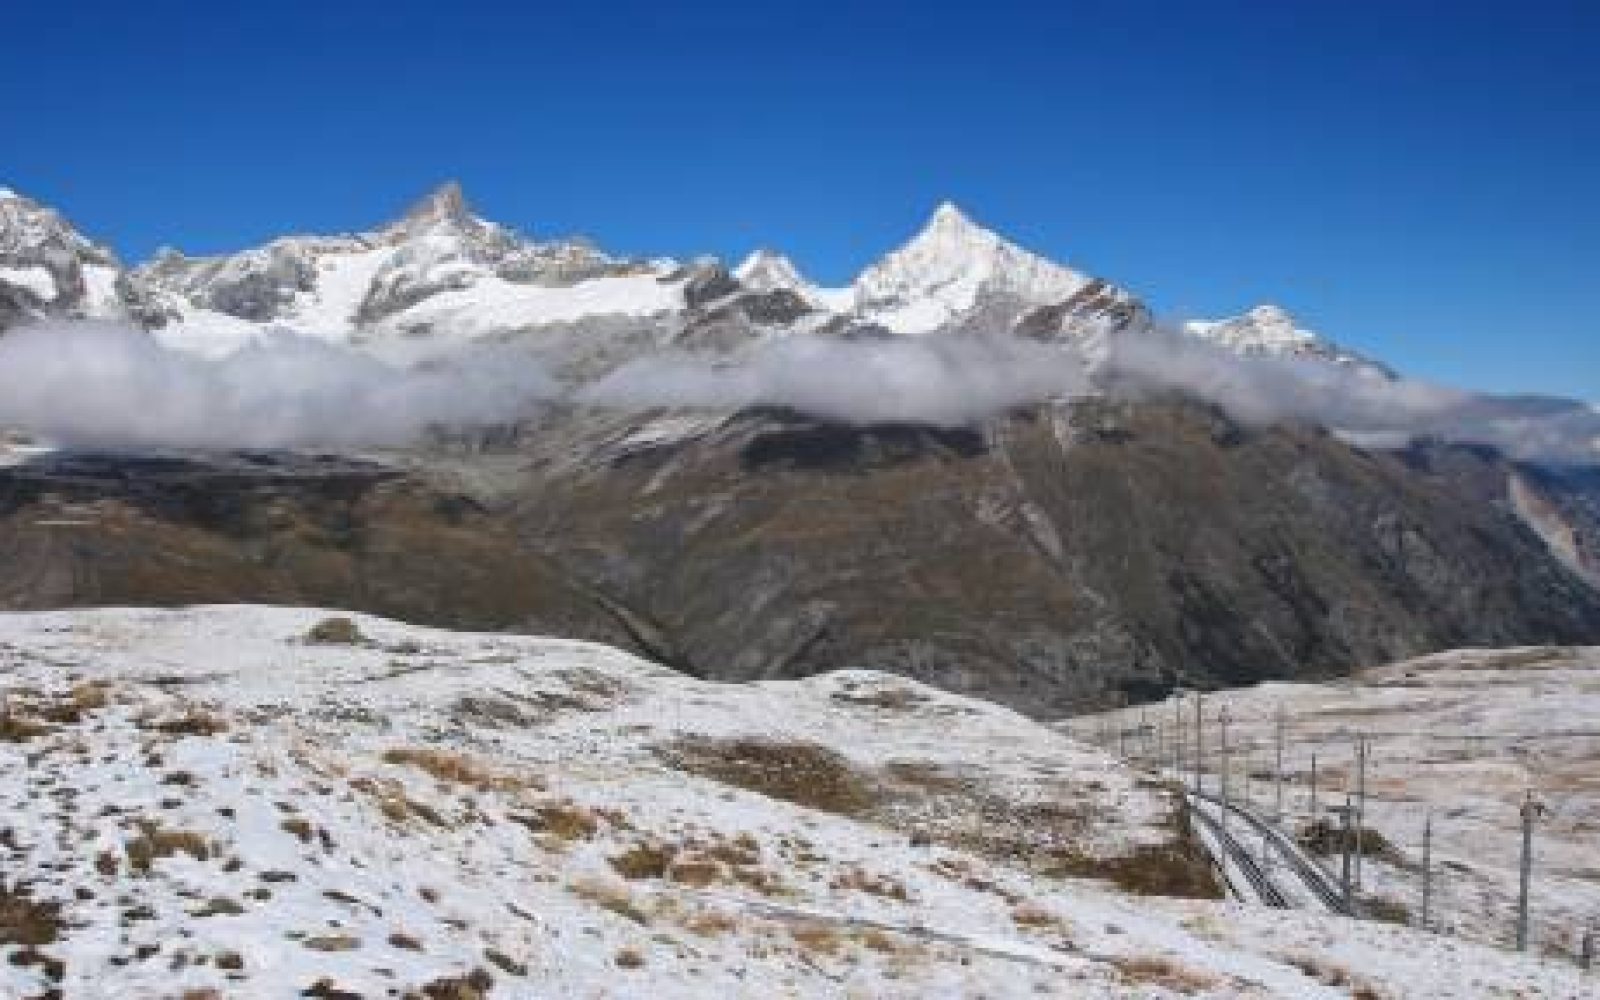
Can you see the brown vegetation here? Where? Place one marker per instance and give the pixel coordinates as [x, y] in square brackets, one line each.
[335, 631]
[153, 842]
[806, 774]
[456, 768]
[1325, 838]
[643, 861]
[1163, 972]
[26, 921]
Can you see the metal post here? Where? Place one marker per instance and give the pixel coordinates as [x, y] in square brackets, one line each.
[1427, 867]
[1222, 721]
[1277, 799]
[1314, 813]
[1530, 810]
[1177, 735]
[1199, 746]
[1344, 813]
[1361, 800]
[1314, 786]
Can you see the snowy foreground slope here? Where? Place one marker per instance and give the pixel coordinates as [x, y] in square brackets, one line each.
[206, 803]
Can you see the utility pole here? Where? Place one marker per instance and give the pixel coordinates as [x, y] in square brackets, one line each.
[1177, 735]
[1427, 867]
[1277, 800]
[1530, 811]
[1222, 721]
[1344, 813]
[1314, 785]
[1361, 800]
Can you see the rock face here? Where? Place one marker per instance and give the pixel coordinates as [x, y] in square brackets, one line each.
[118, 530]
[1065, 557]
[48, 268]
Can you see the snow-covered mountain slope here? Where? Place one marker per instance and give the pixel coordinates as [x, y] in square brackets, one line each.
[1269, 331]
[439, 272]
[257, 802]
[49, 268]
[769, 271]
[952, 269]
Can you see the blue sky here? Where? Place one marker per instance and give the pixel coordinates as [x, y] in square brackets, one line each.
[1418, 180]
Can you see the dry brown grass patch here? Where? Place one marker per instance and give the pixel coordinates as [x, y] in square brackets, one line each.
[1155, 970]
[1324, 838]
[612, 896]
[807, 774]
[338, 631]
[710, 923]
[629, 958]
[154, 842]
[856, 879]
[455, 768]
[1034, 915]
[16, 728]
[563, 820]
[816, 937]
[695, 871]
[193, 721]
[393, 802]
[475, 985]
[332, 942]
[644, 861]
[25, 920]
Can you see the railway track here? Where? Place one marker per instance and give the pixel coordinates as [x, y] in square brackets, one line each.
[1308, 873]
[1242, 861]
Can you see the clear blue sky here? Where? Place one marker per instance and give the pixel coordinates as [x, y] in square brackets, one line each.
[1418, 180]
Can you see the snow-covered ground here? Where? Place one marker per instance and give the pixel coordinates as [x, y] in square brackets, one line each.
[205, 799]
[1463, 736]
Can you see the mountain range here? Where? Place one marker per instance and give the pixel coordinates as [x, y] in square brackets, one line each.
[1142, 532]
[440, 269]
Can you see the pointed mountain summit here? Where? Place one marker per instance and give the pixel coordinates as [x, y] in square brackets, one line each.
[953, 268]
[1269, 330]
[49, 268]
[767, 270]
[447, 202]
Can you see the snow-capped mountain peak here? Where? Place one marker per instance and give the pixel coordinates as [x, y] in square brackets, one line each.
[1268, 330]
[48, 266]
[767, 270]
[950, 269]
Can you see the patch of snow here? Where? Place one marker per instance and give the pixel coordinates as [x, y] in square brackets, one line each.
[35, 279]
[494, 304]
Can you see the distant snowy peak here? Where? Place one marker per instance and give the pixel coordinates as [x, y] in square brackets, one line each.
[437, 269]
[767, 270]
[49, 268]
[1269, 331]
[1266, 329]
[953, 268]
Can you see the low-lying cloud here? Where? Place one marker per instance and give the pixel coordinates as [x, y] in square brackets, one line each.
[931, 380]
[1361, 404]
[112, 385]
